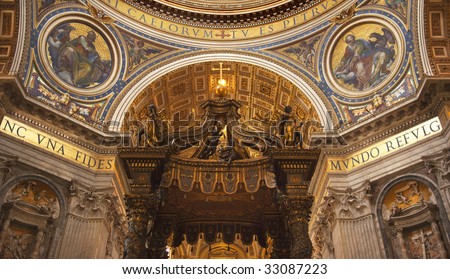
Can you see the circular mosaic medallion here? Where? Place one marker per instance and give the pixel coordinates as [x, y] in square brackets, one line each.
[79, 55]
[364, 57]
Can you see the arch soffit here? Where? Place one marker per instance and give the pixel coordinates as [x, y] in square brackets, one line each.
[314, 95]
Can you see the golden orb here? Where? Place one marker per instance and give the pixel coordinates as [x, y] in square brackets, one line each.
[221, 90]
[222, 82]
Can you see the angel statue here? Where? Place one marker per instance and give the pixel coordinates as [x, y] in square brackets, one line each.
[289, 128]
[131, 127]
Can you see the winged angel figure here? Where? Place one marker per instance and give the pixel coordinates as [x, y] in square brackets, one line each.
[138, 53]
[305, 51]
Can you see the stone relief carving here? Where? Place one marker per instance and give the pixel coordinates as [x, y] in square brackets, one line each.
[411, 215]
[425, 243]
[346, 204]
[15, 246]
[90, 202]
[404, 197]
[439, 165]
[31, 192]
[7, 163]
[351, 203]
[28, 217]
[322, 229]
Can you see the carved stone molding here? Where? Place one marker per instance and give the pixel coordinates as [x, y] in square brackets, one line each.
[117, 237]
[7, 163]
[321, 232]
[90, 202]
[439, 165]
[350, 203]
[100, 203]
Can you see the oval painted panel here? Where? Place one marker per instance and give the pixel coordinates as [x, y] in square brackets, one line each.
[79, 55]
[364, 57]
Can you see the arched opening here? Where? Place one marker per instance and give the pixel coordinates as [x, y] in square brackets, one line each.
[29, 217]
[409, 211]
[300, 84]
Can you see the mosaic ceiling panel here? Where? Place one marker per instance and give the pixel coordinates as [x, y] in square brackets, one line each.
[85, 64]
[437, 30]
[79, 55]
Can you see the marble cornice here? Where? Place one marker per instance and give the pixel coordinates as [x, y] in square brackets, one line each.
[18, 107]
[435, 94]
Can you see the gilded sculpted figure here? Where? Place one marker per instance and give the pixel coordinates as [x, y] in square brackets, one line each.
[289, 128]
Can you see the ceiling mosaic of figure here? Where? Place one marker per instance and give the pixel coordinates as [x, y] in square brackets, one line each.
[92, 60]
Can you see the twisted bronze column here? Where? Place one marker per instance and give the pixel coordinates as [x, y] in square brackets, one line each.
[139, 209]
[298, 210]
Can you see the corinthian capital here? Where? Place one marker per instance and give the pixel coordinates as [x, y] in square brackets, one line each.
[439, 165]
[350, 202]
[7, 163]
[92, 202]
